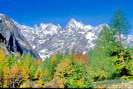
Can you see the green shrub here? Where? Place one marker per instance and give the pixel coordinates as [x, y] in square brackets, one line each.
[79, 77]
[50, 64]
[101, 69]
[72, 75]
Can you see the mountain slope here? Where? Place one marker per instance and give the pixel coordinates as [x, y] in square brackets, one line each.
[45, 40]
[49, 39]
[13, 39]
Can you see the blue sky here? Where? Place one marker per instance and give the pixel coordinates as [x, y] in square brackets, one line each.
[94, 12]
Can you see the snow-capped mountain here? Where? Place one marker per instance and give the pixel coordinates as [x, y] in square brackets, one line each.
[49, 39]
[45, 40]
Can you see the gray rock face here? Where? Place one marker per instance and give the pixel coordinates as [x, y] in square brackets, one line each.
[11, 35]
[49, 39]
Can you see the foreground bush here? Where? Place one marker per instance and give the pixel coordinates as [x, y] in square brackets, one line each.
[65, 71]
[62, 71]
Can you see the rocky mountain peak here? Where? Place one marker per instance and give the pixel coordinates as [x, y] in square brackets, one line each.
[12, 37]
[73, 23]
[45, 40]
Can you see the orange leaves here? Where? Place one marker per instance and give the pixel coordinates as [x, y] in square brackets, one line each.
[24, 71]
[6, 71]
[38, 62]
[15, 72]
[27, 72]
[79, 57]
[63, 65]
[62, 68]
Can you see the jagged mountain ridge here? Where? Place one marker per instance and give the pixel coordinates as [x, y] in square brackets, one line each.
[45, 40]
[13, 40]
[49, 39]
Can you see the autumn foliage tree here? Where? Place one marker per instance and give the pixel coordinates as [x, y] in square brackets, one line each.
[80, 57]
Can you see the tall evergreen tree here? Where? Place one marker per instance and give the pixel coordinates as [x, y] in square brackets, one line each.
[119, 24]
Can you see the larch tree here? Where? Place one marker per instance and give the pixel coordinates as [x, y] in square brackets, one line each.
[119, 24]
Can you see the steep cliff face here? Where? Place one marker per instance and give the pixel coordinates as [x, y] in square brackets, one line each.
[11, 36]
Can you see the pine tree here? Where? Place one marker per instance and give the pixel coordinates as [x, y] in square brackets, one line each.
[120, 25]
